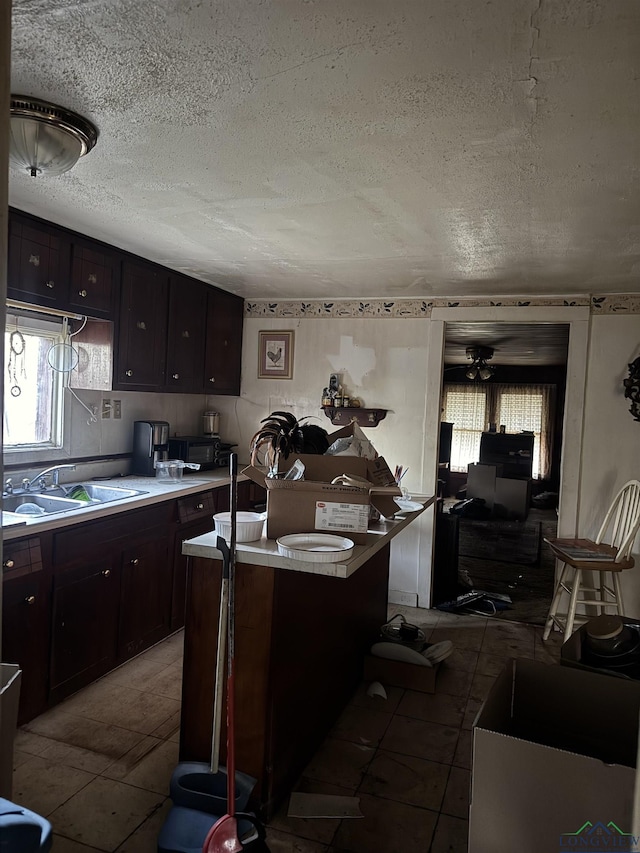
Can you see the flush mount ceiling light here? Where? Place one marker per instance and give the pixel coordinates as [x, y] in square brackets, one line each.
[46, 139]
[479, 369]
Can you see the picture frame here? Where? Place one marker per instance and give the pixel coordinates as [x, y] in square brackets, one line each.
[275, 355]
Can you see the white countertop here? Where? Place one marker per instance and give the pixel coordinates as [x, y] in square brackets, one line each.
[155, 490]
[264, 552]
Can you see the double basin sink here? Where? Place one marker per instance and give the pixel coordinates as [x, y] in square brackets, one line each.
[37, 504]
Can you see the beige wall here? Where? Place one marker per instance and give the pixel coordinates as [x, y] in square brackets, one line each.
[388, 363]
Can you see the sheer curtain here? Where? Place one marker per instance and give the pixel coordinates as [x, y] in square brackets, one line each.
[519, 407]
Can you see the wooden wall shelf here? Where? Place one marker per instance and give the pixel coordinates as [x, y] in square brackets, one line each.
[343, 415]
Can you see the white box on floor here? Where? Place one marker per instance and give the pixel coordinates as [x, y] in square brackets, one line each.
[554, 755]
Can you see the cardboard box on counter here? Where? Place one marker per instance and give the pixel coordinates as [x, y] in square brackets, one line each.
[313, 504]
[398, 673]
[554, 752]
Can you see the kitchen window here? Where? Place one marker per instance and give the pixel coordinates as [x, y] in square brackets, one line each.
[33, 391]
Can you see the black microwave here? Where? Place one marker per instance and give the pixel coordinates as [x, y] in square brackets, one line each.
[208, 451]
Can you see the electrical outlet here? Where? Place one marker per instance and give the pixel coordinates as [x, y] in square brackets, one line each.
[117, 409]
[106, 409]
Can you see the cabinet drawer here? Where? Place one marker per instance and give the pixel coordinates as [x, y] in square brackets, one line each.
[196, 507]
[79, 544]
[21, 557]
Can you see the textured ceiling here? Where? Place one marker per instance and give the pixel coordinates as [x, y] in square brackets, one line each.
[525, 344]
[349, 148]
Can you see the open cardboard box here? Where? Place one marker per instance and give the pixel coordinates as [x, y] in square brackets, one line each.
[571, 655]
[554, 756]
[398, 673]
[314, 505]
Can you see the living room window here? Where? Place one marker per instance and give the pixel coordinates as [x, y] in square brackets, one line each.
[471, 408]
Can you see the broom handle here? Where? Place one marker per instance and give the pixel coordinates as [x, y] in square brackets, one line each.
[231, 749]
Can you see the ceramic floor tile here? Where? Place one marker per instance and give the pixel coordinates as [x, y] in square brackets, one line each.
[481, 687]
[464, 750]
[464, 637]
[491, 665]
[416, 615]
[145, 838]
[20, 758]
[168, 651]
[406, 779]
[361, 725]
[129, 708]
[283, 842]
[154, 771]
[387, 826]
[429, 741]
[454, 681]
[435, 707]
[66, 845]
[340, 763]
[105, 813]
[471, 712]
[509, 639]
[456, 798]
[42, 785]
[461, 620]
[321, 830]
[130, 760]
[30, 742]
[102, 738]
[170, 728]
[465, 659]
[68, 755]
[377, 703]
[451, 835]
[136, 673]
[167, 682]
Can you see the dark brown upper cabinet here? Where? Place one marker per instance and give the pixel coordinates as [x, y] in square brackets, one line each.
[92, 281]
[142, 331]
[38, 268]
[185, 339]
[223, 351]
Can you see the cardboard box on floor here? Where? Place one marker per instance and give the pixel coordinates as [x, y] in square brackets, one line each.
[313, 504]
[571, 654]
[554, 752]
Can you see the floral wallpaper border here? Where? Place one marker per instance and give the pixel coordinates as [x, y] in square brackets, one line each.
[626, 303]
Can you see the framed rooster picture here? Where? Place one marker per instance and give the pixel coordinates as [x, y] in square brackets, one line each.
[275, 355]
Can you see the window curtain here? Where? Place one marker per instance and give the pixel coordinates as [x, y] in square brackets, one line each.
[471, 408]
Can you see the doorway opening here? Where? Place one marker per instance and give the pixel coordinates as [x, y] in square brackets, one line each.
[499, 465]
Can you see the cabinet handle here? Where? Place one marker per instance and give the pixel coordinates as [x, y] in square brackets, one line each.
[199, 506]
[212, 379]
[106, 573]
[176, 376]
[128, 373]
[8, 564]
[30, 599]
[135, 562]
[82, 293]
[50, 284]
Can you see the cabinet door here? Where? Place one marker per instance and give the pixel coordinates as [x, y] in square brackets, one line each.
[38, 265]
[85, 624]
[25, 639]
[195, 517]
[185, 341]
[223, 343]
[142, 333]
[145, 595]
[91, 288]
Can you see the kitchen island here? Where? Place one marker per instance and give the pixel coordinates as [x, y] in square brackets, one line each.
[302, 630]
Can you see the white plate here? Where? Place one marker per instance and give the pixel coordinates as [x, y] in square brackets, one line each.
[315, 547]
[407, 506]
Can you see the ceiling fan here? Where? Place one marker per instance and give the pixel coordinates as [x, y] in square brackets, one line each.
[478, 369]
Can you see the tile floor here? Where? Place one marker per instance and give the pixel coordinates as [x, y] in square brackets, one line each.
[98, 765]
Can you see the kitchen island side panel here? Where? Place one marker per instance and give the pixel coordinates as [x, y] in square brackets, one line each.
[300, 643]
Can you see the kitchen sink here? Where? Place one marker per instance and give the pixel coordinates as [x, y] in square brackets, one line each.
[30, 505]
[103, 494]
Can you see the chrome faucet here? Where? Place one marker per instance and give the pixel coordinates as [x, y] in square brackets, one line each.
[41, 478]
[8, 486]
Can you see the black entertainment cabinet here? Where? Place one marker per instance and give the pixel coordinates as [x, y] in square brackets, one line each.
[514, 451]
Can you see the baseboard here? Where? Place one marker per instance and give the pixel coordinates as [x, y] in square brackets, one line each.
[409, 599]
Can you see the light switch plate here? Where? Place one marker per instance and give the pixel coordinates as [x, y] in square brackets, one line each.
[117, 409]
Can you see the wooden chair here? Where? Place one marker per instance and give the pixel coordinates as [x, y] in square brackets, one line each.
[619, 527]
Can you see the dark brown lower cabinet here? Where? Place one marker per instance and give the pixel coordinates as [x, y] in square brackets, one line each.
[25, 638]
[145, 595]
[84, 625]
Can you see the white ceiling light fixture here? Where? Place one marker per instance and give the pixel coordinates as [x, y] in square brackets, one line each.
[46, 139]
[479, 369]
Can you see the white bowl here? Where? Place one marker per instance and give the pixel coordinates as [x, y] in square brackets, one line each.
[249, 525]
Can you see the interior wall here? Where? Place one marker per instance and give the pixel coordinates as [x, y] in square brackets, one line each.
[611, 439]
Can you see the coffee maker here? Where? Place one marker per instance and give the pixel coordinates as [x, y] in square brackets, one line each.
[150, 445]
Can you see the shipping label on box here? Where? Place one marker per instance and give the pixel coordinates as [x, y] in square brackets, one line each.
[341, 517]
